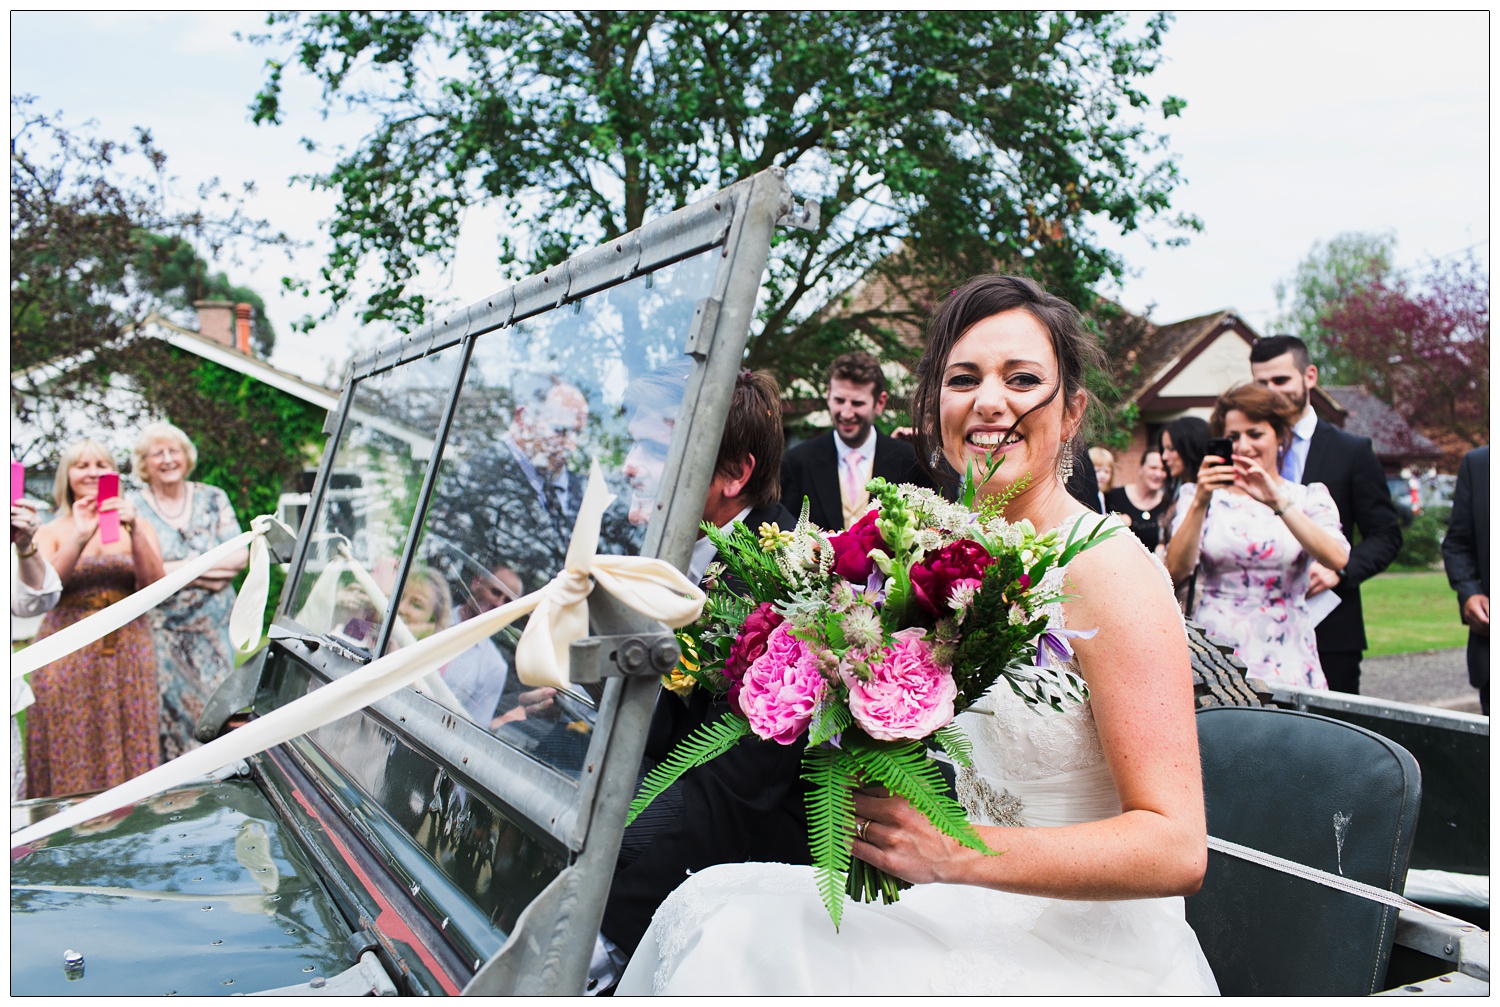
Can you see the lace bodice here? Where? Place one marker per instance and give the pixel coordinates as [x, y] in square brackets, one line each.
[1036, 766]
[1013, 741]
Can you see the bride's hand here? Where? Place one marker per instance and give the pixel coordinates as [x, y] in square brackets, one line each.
[900, 840]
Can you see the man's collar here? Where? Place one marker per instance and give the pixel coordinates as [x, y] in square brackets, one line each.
[1305, 426]
[866, 449]
[704, 551]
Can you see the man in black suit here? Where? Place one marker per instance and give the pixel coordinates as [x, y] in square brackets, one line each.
[1322, 453]
[1466, 557]
[748, 803]
[512, 504]
[831, 470]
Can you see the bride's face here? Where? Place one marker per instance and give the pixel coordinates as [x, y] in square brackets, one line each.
[997, 377]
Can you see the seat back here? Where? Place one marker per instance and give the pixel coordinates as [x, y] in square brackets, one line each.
[1321, 793]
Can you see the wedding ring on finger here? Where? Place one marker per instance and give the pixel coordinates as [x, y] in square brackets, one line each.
[861, 825]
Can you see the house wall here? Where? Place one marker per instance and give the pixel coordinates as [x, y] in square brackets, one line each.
[1224, 363]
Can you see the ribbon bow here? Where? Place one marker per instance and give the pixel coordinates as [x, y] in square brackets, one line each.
[559, 615]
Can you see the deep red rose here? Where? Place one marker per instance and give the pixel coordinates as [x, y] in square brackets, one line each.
[933, 580]
[749, 645]
[851, 549]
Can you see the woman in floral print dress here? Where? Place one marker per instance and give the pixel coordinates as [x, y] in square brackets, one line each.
[93, 724]
[1253, 536]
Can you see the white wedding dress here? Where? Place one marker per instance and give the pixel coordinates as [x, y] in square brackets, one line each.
[761, 929]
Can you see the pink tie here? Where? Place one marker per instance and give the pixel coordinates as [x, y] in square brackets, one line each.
[853, 482]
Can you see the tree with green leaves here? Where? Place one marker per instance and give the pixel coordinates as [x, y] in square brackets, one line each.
[97, 249]
[1332, 273]
[98, 243]
[941, 144]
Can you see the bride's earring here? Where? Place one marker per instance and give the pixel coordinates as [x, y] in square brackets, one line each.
[1065, 463]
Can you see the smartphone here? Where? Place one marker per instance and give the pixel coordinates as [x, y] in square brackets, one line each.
[17, 487]
[109, 520]
[1221, 447]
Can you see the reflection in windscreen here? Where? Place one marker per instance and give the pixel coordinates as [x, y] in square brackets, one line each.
[601, 379]
[371, 498]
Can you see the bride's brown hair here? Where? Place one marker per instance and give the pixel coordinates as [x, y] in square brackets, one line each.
[1075, 347]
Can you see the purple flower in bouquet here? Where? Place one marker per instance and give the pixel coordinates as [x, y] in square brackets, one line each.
[908, 695]
[851, 549]
[1053, 649]
[749, 645]
[933, 579]
[781, 688]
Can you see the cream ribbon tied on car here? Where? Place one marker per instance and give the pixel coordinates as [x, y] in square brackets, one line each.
[559, 615]
[244, 621]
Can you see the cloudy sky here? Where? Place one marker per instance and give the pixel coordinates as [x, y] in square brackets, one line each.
[1298, 127]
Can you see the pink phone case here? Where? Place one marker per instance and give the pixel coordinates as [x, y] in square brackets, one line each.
[109, 520]
[17, 481]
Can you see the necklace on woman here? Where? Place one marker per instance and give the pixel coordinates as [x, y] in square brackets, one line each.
[156, 502]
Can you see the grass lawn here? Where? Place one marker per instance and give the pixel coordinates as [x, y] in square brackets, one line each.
[1405, 612]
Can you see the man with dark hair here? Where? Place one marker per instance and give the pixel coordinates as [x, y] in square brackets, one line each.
[747, 804]
[1322, 453]
[832, 469]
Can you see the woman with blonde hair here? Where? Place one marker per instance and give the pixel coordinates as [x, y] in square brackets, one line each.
[191, 628]
[93, 724]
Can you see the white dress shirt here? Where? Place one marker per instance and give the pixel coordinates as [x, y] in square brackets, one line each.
[704, 550]
[867, 453]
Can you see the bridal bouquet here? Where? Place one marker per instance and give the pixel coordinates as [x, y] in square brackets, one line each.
[867, 644]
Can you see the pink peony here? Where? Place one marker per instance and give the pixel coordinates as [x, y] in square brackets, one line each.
[933, 579]
[781, 688]
[851, 549]
[909, 695]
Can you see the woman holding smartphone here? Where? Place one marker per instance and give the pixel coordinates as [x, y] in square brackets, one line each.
[93, 724]
[1252, 537]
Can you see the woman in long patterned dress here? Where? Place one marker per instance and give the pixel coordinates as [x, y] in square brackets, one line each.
[191, 628]
[1252, 536]
[93, 724]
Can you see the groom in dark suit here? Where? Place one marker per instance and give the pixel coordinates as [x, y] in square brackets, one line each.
[748, 803]
[831, 470]
[1322, 453]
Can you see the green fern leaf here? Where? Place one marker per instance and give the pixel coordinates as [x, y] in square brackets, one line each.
[830, 822]
[956, 743]
[906, 770]
[706, 743]
[831, 718]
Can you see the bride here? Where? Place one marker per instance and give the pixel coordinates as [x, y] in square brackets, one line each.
[1097, 811]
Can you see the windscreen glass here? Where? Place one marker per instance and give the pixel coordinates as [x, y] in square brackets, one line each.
[360, 531]
[602, 378]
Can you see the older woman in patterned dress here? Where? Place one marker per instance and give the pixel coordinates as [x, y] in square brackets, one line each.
[191, 628]
[93, 724]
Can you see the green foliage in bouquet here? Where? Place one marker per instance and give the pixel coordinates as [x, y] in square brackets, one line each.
[840, 633]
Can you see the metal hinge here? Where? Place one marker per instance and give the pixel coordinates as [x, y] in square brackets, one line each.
[637, 654]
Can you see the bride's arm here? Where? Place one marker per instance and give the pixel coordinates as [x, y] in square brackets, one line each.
[1140, 683]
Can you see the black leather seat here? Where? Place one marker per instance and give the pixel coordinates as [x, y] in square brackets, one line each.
[1321, 793]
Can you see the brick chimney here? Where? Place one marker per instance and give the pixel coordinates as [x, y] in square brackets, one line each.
[216, 321]
[242, 314]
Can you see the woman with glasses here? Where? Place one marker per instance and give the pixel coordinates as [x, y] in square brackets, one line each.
[191, 628]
